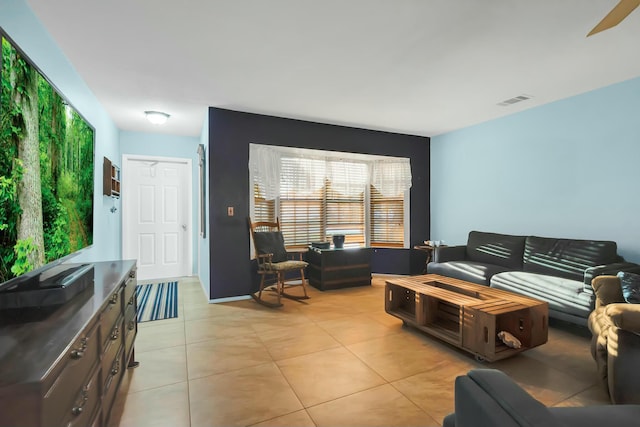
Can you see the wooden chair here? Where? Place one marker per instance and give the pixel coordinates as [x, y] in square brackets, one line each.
[274, 260]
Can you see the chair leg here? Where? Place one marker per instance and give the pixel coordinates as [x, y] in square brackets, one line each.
[280, 287]
[296, 297]
[304, 288]
[261, 286]
[259, 299]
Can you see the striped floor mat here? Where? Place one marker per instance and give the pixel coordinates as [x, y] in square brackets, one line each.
[157, 301]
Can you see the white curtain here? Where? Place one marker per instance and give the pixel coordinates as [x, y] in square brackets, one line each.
[348, 178]
[391, 177]
[301, 175]
[264, 163]
[280, 171]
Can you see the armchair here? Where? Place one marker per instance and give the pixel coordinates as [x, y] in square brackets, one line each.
[615, 342]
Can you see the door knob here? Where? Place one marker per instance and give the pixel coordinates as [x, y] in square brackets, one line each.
[184, 227]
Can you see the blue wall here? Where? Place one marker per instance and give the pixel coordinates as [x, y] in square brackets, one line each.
[22, 26]
[565, 169]
[160, 145]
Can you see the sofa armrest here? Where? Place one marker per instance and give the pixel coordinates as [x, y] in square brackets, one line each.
[449, 253]
[624, 316]
[490, 397]
[608, 290]
[609, 269]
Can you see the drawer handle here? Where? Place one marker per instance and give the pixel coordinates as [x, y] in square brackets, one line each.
[132, 325]
[77, 353]
[115, 333]
[77, 410]
[114, 299]
[116, 368]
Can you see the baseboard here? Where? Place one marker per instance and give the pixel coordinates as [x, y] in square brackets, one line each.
[229, 299]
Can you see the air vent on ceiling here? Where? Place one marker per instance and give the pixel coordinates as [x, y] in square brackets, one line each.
[514, 100]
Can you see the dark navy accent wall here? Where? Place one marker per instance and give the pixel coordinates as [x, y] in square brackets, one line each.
[231, 132]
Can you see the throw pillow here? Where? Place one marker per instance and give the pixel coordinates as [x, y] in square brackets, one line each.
[630, 286]
[271, 242]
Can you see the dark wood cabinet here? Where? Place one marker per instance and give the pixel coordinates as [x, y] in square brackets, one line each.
[62, 366]
[110, 179]
[339, 268]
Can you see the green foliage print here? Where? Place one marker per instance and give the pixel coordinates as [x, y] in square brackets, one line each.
[22, 249]
[66, 157]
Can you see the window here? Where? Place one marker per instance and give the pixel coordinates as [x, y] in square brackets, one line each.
[345, 188]
[319, 194]
[264, 210]
[387, 219]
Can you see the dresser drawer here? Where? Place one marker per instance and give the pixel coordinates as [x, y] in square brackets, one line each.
[110, 313]
[129, 291]
[130, 327]
[112, 380]
[78, 362]
[85, 406]
[112, 346]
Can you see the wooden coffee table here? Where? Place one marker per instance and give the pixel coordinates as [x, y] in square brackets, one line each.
[467, 315]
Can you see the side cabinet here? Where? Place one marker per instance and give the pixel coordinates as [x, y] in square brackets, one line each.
[339, 268]
[62, 366]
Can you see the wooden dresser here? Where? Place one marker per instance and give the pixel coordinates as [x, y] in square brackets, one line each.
[339, 268]
[62, 366]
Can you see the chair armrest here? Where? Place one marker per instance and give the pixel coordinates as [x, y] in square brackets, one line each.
[607, 289]
[264, 259]
[509, 403]
[449, 253]
[609, 269]
[624, 316]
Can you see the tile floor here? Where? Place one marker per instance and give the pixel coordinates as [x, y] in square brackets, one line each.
[335, 360]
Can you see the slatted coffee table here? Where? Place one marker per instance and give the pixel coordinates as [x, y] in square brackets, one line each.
[467, 315]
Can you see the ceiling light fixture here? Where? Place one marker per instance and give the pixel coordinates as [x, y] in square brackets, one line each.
[157, 117]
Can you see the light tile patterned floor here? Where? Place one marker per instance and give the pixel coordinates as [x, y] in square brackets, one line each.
[335, 360]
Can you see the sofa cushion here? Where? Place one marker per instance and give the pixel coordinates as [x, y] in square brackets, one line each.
[566, 258]
[469, 271]
[630, 283]
[497, 249]
[563, 295]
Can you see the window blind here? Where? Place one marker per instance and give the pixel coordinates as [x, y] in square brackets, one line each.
[263, 209]
[302, 201]
[345, 200]
[387, 219]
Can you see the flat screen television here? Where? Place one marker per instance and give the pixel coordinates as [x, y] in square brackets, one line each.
[46, 175]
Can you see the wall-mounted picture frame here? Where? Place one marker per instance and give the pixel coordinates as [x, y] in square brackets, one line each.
[202, 194]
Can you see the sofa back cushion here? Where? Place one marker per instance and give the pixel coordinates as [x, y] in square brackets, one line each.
[630, 283]
[566, 258]
[498, 249]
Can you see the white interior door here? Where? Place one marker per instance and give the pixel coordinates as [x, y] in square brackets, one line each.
[156, 209]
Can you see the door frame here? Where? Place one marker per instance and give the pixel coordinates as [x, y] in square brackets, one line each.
[189, 183]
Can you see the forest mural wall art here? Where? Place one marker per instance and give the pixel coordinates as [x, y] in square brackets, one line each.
[46, 170]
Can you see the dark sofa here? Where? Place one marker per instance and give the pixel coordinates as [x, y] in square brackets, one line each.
[488, 397]
[558, 271]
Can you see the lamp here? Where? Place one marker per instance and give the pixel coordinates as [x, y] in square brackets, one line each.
[156, 117]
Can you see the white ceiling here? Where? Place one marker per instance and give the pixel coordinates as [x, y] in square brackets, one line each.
[421, 67]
